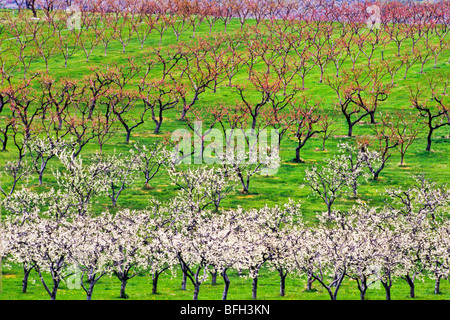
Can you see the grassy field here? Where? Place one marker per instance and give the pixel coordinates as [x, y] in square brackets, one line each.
[270, 190]
[169, 288]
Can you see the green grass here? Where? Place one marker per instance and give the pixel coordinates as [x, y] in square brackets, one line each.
[169, 288]
[264, 190]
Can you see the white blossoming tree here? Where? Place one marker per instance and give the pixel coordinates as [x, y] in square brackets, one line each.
[364, 222]
[190, 252]
[438, 255]
[23, 208]
[259, 232]
[150, 160]
[338, 174]
[128, 257]
[15, 171]
[82, 182]
[92, 249]
[202, 186]
[119, 171]
[389, 256]
[245, 164]
[326, 254]
[418, 209]
[17, 234]
[51, 243]
[42, 150]
[283, 242]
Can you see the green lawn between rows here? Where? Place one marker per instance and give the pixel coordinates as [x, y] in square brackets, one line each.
[169, 288]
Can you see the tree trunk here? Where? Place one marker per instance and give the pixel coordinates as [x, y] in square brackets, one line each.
[297, 154]
[91, 110]
[90, 291]
[411, 291]
[55, 290]
[227, 284]
[372, 117]
[309, 282]
[214, 278]
[411, 286]
[362, 286]
[114, 201]
[376, 173]
[323, 142]
[329, 204]
[184, 281]
[158, 126]
[122, 289]
[155, 277]
[25, 279]
[254, 122]
[333, 296]
[196, 291]
[362, 295]
[183, 113]
[254, 287]
[402, 159]
[53, 295]
[387, 287]
[41, 174]
[4, 142]
[350, 130]
[244, 185]
[437, 285]
[34, 11]
[282, 285]
[430, 133]
[388, 293]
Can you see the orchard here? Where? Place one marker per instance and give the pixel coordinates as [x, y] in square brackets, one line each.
[176, 149]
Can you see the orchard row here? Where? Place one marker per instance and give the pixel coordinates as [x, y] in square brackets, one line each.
[122, 97]
[57, 235]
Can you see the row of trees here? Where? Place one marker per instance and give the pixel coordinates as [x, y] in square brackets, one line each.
[70, 114]
[119, 171]
[56, 232]
[312, 39]
[212, 11]
[265, 66]
[279, 55]
[60, 131]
